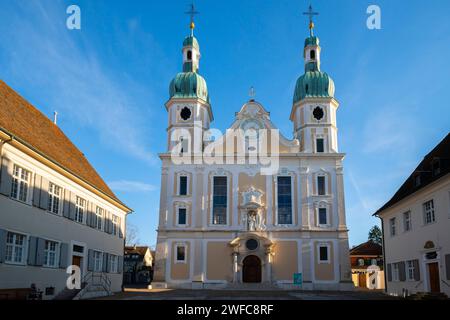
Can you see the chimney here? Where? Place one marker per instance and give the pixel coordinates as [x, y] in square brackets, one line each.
[55, 117]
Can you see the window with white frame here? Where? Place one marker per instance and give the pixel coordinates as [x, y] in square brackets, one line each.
[99, 212]
[115, 224]
[407, 221]
[98, 261]
[20, 183]
[323, 216]
[15, 248]
[51, 254]
[324, 254]
[284, 197]
[80, 209]
[428, 212]
[183, 188]
[393, 226]
[321, 190]
[180, 253]
[182, 216]
[410, 270]
[113, 263]
[220, 200]
[395, 272]
[54, 198]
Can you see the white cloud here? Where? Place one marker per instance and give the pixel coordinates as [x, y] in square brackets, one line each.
[131, 186]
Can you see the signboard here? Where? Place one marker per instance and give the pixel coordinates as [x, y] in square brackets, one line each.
[298, 279]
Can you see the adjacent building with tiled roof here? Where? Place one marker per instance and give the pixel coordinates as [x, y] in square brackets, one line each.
[416, 224]
[363, 258]
[55, 209]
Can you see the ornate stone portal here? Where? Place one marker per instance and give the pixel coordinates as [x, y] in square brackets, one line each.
[252, 210]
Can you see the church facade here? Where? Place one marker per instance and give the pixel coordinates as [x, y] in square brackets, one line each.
[252, 206]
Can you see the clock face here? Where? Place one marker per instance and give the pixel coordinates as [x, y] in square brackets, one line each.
[185, 113]
[318, 113]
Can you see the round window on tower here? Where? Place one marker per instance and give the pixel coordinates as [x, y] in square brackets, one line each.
[185, 113]
[318, 113]
[251, 244]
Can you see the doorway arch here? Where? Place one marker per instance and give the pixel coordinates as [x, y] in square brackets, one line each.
[251, 269]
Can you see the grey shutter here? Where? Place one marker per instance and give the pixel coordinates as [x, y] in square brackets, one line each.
[43, 202]
[93, 216]
[105, 262]
[63, 255]
[37, 190]
[88, 214]
[120, 264]
[40, 252]
[72, 206]
[66, 203]
[389, 272]
[416, 270]
[6, 177]
[109, 223]
[402, 271]
[90, 265]
[447, 265]
[3, 234]
[119, 221]
[32, 249]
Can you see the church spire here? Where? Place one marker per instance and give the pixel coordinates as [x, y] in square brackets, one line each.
[311, 14]
[191, 49]
[312, 49]
[192, 12]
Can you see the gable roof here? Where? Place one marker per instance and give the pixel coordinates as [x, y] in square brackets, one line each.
[439, 156]
[368, 248]
[140, 250]
[18, 118]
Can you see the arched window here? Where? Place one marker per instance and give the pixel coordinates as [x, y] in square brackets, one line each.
[189, 55]
[312, 54]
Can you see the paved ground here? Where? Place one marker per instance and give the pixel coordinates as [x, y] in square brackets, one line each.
[179, 294]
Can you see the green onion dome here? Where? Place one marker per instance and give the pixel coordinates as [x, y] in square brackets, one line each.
[189, 85]
[313, 84]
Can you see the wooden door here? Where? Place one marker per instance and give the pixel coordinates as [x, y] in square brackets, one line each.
[433, 275]
[251, 271]
[76, 261]
[362, 280]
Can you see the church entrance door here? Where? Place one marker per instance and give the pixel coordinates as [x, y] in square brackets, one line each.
[251, 271]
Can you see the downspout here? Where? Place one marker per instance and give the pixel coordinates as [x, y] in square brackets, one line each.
[1, 153]
[384, 256]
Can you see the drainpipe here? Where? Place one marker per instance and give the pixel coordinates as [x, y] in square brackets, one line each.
[1, 153]
[384, 256]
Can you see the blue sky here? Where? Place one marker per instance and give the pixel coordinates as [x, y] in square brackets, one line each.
[109, 82]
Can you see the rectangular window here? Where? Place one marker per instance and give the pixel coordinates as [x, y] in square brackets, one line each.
[284, 187]
[395, 272]
[50, 254]
[98, 261]
[99, 218]
[183, 186]
[392, 224]
[323, 254]
[410, 270]
[321, 185]
[113, 263]
[181, 216]
[20, 183]
[115, 223]
[428, 212]
[220, 200]
[323, 216]
[320, 145]
[15, 248]
[54, 195]
[407, 221]
[181, 254]
[80, 208]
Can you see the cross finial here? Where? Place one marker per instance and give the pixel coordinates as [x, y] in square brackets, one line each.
[252, 93]
[311, 14]
[192, 12]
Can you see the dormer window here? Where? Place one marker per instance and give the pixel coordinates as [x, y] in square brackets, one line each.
[417, 180]
[189, 55]
[312, 54]
[436, 167]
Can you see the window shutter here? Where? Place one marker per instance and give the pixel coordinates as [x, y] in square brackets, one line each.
[91, 214]
[43, 202]
[2, 244]
[72, 205]
[402, 271]
[120, 264]
[416, 270]
[37, 190]
[32, 248]
[447, 265]
[90, 265]
[119, 221]
[66, 205]
[389, 272]
[105, 262]
[107, 221]
[63, 255]
[40, 252]
[6, 177]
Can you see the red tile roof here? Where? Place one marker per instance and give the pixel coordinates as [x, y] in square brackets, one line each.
[22, 120]
[368, 248]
